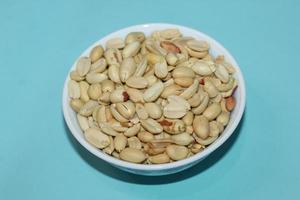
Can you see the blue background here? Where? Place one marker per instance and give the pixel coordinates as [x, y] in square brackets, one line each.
[39, 41]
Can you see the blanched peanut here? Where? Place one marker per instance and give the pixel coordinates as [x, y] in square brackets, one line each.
[201, 126]
[159, 159]
[176, 152]
[132, 155]
[188, 118]
[212, 111]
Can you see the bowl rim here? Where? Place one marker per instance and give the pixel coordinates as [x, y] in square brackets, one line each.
[158, 167]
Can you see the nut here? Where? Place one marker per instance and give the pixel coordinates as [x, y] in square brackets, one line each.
[137, 82]
[73, 89]
[154, 111]
[151, 125]
[153, 92]
[201, 126]
[176, 152]
[96, 53]
[96, 138]
[132, 155]
[127, 69]
[83, 66]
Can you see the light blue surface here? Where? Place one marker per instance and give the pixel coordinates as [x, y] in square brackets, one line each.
[40, 160]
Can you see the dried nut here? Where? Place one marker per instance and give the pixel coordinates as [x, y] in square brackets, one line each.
[210, 88]
[83, 66]
[134, 142]
[116, 114]
[151, 125]
[179, 100]
[176, 152]
[230, 103]
[203, 105]
[135, 36]
[73, 89]
[151, 80]
[201, 126]
[99, 66]
[131, 49]
[197, 45]
[141, 67]
[223, 118]
[132, 155]
[221, 127]
[153, 59]
[230, 92]
[224, 87]
[170, 47]
[145, 136]
[170, 33]
[115, 154]
[118, 96]
[84, 86]
[116, 43]
[182, 139]
[96, 138]
[159, 158]
[153, 110]
[195, 100]
[184, 81]
[113, 73]
[173, 126]
[188, 118]
[222, 73]
[104, 97]
[216, 99]
[95, 77]
[154, 150]
[206, 141]
[214, 129]
[153, 92]
[75, 76]
[137, 82]
[171, 90]
[135, 95]
[94, 91]
[117, 126]
[196, 148]
[107, 86]
[83, 122]
[174, 110]
[101, 115]
[189, 129]
[76, 104]
[127, 69]
[88, 108]
[212, 111]
[109, 150]
[96, 53]
[180, 72]
[106, 128]
[203, 68]
[190, 91]
[197, 54]
[132, 131]
[126, 109]
[120, 142]
[141, 111]
[171, 59]
[161, 70]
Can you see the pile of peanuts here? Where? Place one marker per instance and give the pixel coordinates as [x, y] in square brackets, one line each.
[152, 100]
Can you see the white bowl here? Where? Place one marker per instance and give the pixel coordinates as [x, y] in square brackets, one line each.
[161, 169]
